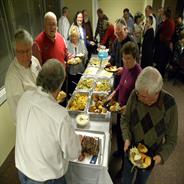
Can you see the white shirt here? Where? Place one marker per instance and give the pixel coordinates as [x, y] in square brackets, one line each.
[45, 138]
[64, 26]
[19, 79]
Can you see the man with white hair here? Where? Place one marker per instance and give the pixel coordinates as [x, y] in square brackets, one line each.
[49, 43]
[151, 118]
[22, 72]
[45, 137]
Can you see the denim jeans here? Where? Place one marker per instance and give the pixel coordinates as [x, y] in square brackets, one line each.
[25, 180]
[128, 174]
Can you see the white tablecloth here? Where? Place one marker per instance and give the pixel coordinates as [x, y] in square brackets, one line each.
[92, 174]
[87, 174]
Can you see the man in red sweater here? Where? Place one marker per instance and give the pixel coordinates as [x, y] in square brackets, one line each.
[49, 43]
[163, 48]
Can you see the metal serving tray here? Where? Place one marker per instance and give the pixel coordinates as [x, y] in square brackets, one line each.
[98, 115]
[104, 73]
[103, 84]
[78, 101]
[101, 137]
[91, 71]
[94, 62]
[83, 84]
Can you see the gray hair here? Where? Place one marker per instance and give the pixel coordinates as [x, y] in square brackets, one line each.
[48, 15]
[23, 36]
[52, 76]
[120, 22]
[149, 79]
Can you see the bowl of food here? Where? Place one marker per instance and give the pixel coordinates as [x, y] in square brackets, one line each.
[82, 120]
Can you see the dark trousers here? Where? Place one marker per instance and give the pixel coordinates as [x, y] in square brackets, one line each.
[25, 180]
[163, 54]
[119, 138]
[141, 177]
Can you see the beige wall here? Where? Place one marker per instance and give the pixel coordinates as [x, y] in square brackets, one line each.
[114, 9]
[79, 5]
[7, 132]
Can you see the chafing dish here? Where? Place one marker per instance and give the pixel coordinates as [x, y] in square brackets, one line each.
[94, 62]
[96, 109]
[86, 84]
[78, 103]
[103, 84]
[91, 71]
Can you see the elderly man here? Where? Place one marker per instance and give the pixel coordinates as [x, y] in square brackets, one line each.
[122, 37]
[45, 138]
[151, 118]
[23, 71]
[49, 43]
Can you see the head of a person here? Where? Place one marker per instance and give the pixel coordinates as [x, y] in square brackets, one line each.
[106, 24]
[51, 76]
[120, 29]
[126, 13]
[148, 10]
[78, 19]
[50, 25]
[149, 21]
[74, 34]
[167, 14]
[85, 15]
[179, 20]
[181, 37]
[138, 19]
[160, 12]
[100, 13]
[65, 11]
[148, 85]
[129, 54]
[23, 47]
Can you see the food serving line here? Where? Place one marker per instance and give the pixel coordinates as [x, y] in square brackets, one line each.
[87, 99]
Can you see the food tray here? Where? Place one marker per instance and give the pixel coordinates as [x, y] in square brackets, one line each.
[101, 137]
[95, 109]
[72, 106]
[104, 62]
[86, 84]
[103, 73]
[103, 84]
[91, 71]
[94, 62]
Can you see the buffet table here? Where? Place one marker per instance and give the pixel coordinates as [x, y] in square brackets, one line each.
[82, 173]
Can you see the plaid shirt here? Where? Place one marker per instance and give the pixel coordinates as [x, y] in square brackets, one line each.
[156, 125]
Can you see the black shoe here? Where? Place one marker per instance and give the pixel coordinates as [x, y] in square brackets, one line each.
[117, 154]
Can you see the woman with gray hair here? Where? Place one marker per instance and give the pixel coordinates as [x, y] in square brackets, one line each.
[22, 72]
[45, 138]
[151, 118]
[76, 65]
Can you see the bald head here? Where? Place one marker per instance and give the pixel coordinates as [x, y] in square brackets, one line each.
[50, 25]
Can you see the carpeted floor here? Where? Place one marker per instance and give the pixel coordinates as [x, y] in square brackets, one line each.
[172, 172]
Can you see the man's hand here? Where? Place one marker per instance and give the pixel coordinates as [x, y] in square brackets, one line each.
[157, 159]
[126, 145]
